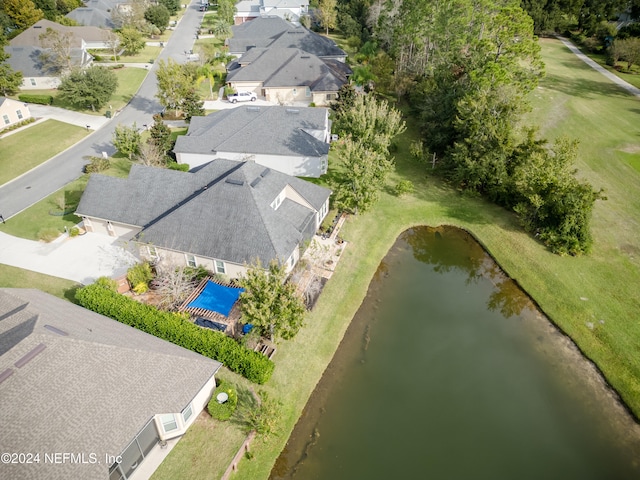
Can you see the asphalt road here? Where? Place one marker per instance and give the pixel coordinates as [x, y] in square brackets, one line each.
[54, 174]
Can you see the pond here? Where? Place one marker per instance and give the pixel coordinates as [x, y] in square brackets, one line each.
[448, 371]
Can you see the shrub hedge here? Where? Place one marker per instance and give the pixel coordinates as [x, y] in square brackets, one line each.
[175, 328]
[39, 99]
[223, 411]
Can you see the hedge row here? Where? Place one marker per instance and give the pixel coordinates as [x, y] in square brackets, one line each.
[175, 328]
[39, 99]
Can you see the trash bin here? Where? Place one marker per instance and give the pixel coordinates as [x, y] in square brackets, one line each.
[107, 114]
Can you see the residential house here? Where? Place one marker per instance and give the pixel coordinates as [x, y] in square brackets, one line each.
[222, 216]
[298, 145]
[290, 10]
[99, 13]
[84, 396]
[275, 32]
[26, 51]
[12, 112]
[288, 76]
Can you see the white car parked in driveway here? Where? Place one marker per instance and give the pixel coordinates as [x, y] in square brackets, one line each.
[242, 97]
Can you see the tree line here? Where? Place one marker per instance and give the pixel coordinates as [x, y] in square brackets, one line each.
[466, 68]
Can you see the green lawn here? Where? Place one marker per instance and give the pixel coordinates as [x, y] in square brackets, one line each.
[129, 81]
[12, 277]
[632, 77]
[576, 293]
[24, 150]
[146, 55]
[47, 212]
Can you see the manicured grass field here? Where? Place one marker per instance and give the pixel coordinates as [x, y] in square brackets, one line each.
[43, 215]
[12, 277]
[593, 299]
[24, 150]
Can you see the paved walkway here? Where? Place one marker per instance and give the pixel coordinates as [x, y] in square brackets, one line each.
[614, 78]
[82, 259]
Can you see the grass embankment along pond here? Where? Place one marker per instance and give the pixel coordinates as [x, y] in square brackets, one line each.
[592, 298]
[21, 151]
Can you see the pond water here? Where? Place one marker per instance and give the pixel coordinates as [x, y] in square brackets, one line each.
[448, 371]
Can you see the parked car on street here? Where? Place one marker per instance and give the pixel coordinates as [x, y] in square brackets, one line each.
[242, 97]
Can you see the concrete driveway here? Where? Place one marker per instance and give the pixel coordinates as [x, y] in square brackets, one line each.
[82, 259]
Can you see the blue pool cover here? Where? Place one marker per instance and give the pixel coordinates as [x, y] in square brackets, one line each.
[217, 298]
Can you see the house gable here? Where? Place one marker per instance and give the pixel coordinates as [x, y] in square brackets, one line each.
[222, 211]
[104, 381]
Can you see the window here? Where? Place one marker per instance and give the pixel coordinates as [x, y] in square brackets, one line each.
[331, 96]
[153, 253]
[220, 266]
[191, 260]
[307, 92]
[33, 82]
[187, 413]
[6, 119]
[169, 423]
[19, 113]
[276, 203]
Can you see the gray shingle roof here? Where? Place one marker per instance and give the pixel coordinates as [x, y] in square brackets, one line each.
[275, 32]
[288, 67]
[31, 36]
[90, 391]
[220, 211]
[250, 130]
[96, 13]
[27, 60]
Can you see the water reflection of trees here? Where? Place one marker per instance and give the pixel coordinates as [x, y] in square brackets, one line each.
[450, 248]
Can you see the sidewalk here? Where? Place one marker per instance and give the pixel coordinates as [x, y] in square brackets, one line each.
[614, 78]
[94, 122]
[82, 259]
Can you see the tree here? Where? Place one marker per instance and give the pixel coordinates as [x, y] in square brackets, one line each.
[48, 8]
[58, 47]
[89, 88]
[221, 28]
[22, 12]
[112, 41]
[362, 176]
[131, 16]
[173, 6]
[160, 135]
[158, 15]
[174, 83]
[327, 14]
[269, 303]
[373, 122]
[265, 415]
[629, 50]
[127, 140]
[150, 155]
[227, 11]
[192, 106]
[131, 41]
[10, 80]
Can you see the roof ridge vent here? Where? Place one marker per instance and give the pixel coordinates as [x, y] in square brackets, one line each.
[5, 374]
[56, 330]
[234, 181]
[255, 182]
[30, 356]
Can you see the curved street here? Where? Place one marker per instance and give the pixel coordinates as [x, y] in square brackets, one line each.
[65, 167]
